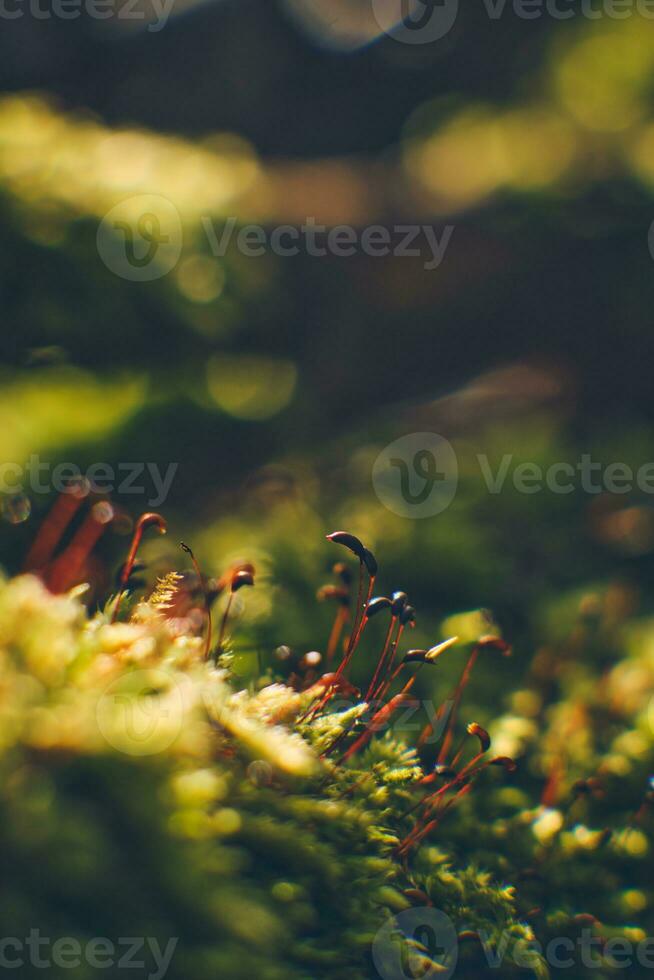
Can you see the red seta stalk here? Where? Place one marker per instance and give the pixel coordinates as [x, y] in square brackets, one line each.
[379, 720]
[383, 688]
[355, 636]
[358, 628]
[207, 603]
[484, 642]
[145, 521]
[458, 694]
[380, 662]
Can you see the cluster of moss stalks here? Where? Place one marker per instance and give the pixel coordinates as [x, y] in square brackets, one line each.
[143, 794]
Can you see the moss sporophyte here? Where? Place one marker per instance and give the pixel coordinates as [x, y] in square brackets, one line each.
[306, 777]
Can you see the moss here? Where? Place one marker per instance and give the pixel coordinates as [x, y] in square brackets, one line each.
[144, 793]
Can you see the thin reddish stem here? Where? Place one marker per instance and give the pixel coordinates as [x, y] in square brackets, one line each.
[207, 604]
[355, 636]
[360, 625]
[363, 619]
[419, 832]
[382, 690]
[382, 658]
[144, 521]
[379, 719]
[461, 686]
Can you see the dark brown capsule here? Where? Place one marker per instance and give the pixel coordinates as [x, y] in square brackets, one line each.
[377, 605]
[240, 579]
[348, 541]
[400, 600]
[482, 735]
[415, 656]
[510, 765]
[370, 562]
[408, 615]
